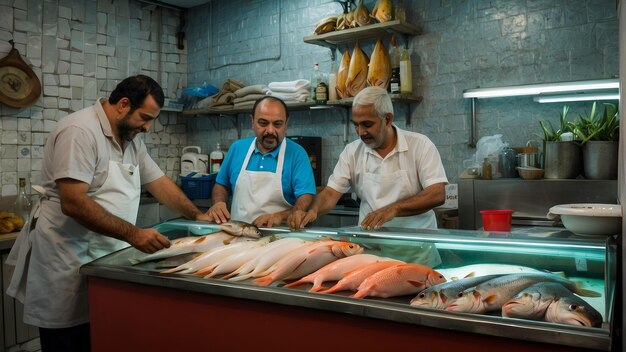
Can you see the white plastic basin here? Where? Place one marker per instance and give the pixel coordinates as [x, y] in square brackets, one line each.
[589, 219]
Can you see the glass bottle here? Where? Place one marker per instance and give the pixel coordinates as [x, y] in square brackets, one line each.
[315, 80]
[394, 57]
[406, 77]
[216, 158]
[332, 82]
[321, 93]
[22, 201]
[486, 175]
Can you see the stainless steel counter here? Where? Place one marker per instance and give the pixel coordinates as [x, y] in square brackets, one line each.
[116, 267]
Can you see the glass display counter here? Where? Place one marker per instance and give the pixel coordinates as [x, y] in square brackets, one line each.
[124, 297]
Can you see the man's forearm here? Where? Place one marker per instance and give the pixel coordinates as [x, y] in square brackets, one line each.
[422, 202]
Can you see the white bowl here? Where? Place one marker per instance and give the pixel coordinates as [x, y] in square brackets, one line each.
[589, 219]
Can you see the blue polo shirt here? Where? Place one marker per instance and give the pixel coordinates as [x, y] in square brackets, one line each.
[297, 178]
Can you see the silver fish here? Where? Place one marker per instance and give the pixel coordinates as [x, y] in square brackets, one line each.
[492, 294]
[439, 296]
[551, 301]
[240, 228]
[176, 260]
[187, 245]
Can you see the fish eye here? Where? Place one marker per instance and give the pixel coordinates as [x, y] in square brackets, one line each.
[460, 294]
[421, 295]
[573, 307]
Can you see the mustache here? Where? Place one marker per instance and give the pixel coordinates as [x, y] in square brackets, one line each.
[367, 136]
[270, 135]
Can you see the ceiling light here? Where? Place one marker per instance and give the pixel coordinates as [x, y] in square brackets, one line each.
[576, 97]
[536, 89]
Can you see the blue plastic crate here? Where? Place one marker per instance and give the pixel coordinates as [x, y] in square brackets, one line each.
[198, 186]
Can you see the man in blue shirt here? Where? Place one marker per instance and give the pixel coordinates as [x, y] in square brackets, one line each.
[268, 175]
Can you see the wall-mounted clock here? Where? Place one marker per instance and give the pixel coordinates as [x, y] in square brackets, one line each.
[19, 85]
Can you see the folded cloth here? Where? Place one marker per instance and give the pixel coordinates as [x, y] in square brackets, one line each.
[225, 98]
[249, 97]
[222, 107]
[244, 105]
[301, 95]
[204, 103]
[255, 89]
[229, 86]
[289, 86]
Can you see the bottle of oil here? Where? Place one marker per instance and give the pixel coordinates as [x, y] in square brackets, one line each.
[406, 77]
[394, 57]
[486, 170]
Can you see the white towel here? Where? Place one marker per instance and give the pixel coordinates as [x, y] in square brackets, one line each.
[289, 86]
[301, 95]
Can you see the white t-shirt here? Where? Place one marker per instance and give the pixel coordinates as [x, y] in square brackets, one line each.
[425, 170]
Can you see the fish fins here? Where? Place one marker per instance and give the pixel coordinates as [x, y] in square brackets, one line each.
[263, 281]
[295, 283]
[584, 292]
[472, 274]
[489, 299]
[416, 283]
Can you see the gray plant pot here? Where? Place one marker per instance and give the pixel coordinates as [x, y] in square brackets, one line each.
[562, 160]
[600, 160]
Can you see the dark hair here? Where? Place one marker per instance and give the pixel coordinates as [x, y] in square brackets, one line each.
[271, 98]
[136, 89]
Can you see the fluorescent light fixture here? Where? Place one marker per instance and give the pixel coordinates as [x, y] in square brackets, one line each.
[575, 97]
[536, 89]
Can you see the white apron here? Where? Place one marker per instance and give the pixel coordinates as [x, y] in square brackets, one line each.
[259, 192]
[379, 190]
[48, 257]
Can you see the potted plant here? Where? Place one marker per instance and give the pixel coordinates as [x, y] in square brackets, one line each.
[562, 156]
[599, 135]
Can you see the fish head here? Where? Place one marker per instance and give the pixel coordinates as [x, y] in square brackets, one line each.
[435, 278]
[428, 299]
[524, 305]
[468, 301]
[346, 249]
[572, 310]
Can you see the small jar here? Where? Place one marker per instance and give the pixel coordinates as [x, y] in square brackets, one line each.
[486, 175]
[507, 163]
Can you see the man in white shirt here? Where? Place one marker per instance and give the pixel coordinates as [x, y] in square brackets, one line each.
[397, 174]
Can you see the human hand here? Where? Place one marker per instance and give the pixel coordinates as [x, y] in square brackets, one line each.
[376, 219]
[299, 218]
[268, 220]
[204, 217]
[218, 213]
[148, 240]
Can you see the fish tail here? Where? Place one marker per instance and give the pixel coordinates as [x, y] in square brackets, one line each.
[204, 271]
[228, 276]
[263, 281]
[240, 277]
[172, 270]
[584, 292]
[134, 261]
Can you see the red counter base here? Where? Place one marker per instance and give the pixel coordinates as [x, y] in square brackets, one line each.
[132, 317]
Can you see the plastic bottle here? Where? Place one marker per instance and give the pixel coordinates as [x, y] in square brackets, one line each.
[22, 201]
[394, 56]
[486, 175]
[332, 82]
[216, 158]
[406, 76]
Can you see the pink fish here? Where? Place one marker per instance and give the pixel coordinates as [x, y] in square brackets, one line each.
[353, 279]
[399, 280]
[306, 260]
[336, 270]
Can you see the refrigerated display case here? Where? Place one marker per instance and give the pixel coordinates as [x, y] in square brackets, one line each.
[141, 307]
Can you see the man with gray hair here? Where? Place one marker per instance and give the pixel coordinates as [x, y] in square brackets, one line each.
[397, 174]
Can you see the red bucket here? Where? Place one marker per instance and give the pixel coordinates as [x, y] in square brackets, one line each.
[497, 220]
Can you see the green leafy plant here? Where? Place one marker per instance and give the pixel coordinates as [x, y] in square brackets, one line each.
[598, 127]
[551, 134]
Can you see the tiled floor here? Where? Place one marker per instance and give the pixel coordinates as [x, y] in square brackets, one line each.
[28, 346]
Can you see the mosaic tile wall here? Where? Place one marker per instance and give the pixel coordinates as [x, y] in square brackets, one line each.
[80, 50]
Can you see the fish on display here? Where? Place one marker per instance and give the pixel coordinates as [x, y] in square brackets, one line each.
[379, 72]
[240, 228]
[176, 260]
[342, 75]
[306, 260]
[336, 270]
[212, 257]
[486, 269]
[188, 245]
[233, 261]
[354, 278]
[491, 295]
[399, 280]
[361, 15]
[357, 71]
[270, 254]
[382, 11]
[552, 302]
[439, 296]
